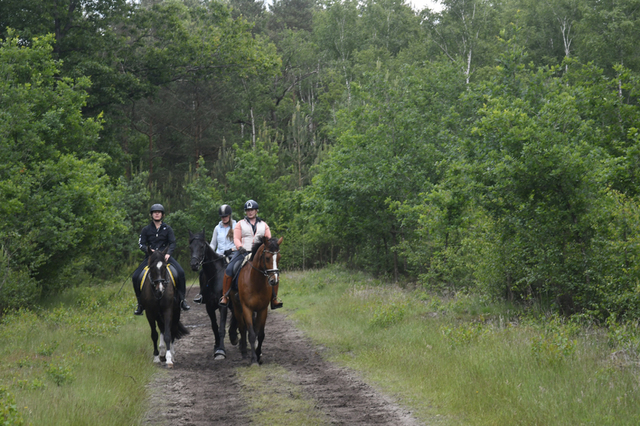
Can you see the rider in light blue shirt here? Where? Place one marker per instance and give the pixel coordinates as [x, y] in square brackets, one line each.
[222, 239]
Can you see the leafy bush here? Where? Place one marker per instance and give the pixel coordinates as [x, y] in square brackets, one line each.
[9, 414]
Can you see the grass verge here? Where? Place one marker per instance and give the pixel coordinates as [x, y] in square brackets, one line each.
[76, 361]
[464, 360]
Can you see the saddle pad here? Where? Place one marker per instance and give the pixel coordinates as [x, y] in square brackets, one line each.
[170, 268]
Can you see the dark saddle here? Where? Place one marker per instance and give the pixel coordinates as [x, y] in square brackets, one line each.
[236, 271]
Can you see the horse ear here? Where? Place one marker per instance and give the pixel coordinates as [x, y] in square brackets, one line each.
[280, 240]
[190, 234]
[149, 252]
[166, 249]
[203, 233]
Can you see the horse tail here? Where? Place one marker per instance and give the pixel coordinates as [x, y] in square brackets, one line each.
[178, 330]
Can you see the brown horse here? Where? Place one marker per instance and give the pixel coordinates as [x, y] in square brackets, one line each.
[252, 299]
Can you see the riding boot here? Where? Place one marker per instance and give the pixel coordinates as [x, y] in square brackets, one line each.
[226, 286]
[139, 308]
[274, 299]
[183, 303]
[138, 291]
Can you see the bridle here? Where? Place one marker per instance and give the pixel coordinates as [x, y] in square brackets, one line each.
[160, 283]
[200, 261]
[271, 274]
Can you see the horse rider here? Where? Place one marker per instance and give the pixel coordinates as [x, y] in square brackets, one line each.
[158, 236]
[245, 233]
[222, 239]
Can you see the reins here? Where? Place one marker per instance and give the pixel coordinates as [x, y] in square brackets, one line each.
[266, 272]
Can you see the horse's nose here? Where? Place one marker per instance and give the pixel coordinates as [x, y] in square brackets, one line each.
[195, 265]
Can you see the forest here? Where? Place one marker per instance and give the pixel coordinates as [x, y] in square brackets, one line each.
[492, 147]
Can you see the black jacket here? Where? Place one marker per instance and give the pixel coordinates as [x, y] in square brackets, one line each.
[157, 239]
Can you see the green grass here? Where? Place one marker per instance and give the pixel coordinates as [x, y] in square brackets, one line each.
[79, 360]
[463, 359]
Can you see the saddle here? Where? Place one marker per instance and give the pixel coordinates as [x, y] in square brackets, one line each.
[170, 268]
[236, 271]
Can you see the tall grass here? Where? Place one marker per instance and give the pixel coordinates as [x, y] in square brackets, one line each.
[79, 360]
[464, 359]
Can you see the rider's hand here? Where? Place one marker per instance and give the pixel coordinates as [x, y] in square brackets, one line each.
[241, 250]
[166, 257]
[228, 252]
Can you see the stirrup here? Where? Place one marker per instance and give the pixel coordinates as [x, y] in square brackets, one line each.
[223, 304]
[275, 304]
[138, 310]
[198, 298]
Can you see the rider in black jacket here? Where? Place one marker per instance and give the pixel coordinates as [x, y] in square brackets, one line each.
[158, 236]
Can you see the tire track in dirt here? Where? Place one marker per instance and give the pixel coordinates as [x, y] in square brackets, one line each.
[202, 391]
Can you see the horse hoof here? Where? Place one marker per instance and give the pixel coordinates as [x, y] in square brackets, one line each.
[169, 365]
[156, 359]
[220, 354]
[163, 359]
[234, 341]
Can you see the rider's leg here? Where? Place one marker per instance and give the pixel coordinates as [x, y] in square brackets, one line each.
[226, 286]
[181, 284]
[198, 298]
[227, 279]
[274, 299]
[135, 278]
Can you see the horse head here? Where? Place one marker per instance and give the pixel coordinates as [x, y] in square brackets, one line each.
[158, 271]
[269, 258]
[197, 245]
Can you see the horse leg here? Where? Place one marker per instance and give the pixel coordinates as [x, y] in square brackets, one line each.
[154, 338]
[261, 320]
[248, 320]
[167, 337]
[233, 329]
[211, 311]
[220, 352]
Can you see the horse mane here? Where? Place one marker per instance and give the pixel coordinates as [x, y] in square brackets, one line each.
[270, 243]
[155, 257]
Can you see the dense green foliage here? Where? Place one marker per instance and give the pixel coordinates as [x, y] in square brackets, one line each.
[490, 146]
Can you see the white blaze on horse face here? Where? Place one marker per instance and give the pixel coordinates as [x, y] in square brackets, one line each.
[275, 265]
[159, 264]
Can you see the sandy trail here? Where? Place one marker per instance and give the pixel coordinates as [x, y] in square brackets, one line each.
[190, 393]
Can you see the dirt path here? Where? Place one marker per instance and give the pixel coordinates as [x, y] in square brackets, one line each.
[190, 393]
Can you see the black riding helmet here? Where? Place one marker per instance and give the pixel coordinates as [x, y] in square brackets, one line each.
[251, 205]
[224, 210]
[157, 208]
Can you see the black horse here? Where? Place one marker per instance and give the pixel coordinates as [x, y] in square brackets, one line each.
[162, 307]
[213, 265]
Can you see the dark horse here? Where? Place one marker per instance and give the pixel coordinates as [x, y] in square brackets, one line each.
[254, 294]
[162, 307]
[213, 264]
